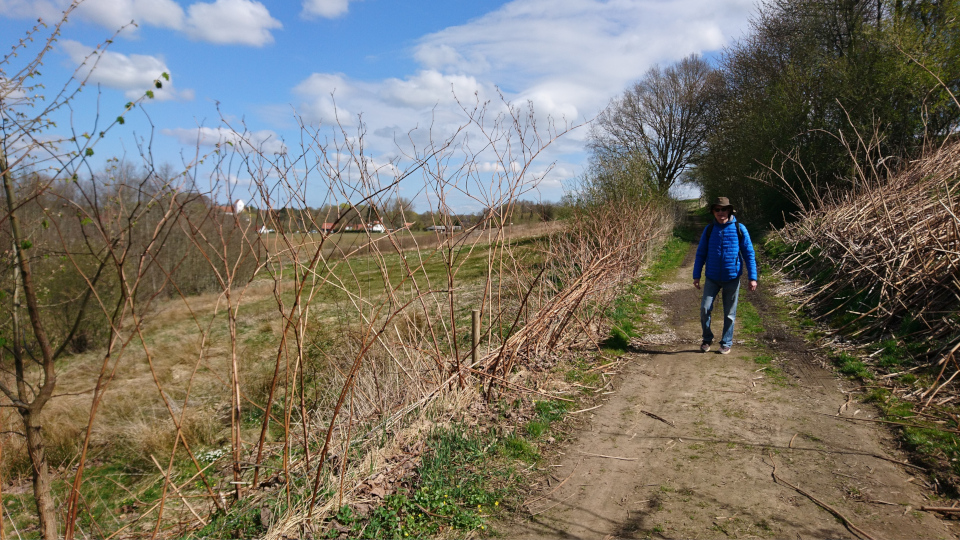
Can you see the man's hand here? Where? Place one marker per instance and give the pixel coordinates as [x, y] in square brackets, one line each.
[753, 285]
[696, 283]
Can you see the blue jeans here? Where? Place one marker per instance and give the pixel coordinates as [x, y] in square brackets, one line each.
[731, 291]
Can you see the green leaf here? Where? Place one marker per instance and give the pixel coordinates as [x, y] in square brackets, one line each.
[150, 94]
[121, 120]
[26, 244]
[128, 105]
[86, 221]
[88, 152]
[165, 75]
[158, 84]
[45, 224]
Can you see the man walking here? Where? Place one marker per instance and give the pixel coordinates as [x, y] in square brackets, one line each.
[724, 245]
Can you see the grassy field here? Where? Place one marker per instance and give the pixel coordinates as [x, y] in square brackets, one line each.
[339, 244]
[232, 399]
[181, 367]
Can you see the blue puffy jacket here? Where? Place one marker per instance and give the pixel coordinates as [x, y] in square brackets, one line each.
[720, 253]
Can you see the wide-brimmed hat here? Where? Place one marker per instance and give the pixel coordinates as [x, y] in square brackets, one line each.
[723, 202]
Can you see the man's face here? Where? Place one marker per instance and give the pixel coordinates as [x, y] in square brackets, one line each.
[722, 214]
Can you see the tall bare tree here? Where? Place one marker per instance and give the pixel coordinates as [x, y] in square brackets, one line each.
[661, 120]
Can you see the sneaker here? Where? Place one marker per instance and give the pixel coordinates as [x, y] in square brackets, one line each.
[724, 349]
[704, 347]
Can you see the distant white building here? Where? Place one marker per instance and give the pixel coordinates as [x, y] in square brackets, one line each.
[232, 209]
[265, 230]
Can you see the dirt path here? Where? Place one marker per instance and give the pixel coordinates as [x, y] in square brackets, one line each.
[709, 474]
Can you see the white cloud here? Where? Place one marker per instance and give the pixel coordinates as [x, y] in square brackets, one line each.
[445, 57]
[322, 92]
[429, 88]
[111, 14]
[567, 58]
[11, 92]
[495, 166]
[241, 22]
[329, 9]
[593, 47]
[265, 141]
[48, 10]
[115, 13]
[133, 74]
[553, 102]
[224, 22]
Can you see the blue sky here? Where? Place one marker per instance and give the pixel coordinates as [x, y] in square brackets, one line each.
[398, 64]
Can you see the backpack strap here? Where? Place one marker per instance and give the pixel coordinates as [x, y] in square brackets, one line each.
[709, 233]
[739, 242]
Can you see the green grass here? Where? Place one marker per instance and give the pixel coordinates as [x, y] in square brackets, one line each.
[670, 257]
[517, 447]
[702, 212]
[770, 370]
[763, 359]
[547, 413]
[851, 365]
[579, 372]
[923, 436]
[466, 476]
[748, 319]
[628, 310]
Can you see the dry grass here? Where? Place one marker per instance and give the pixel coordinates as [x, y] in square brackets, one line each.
[274, 387]
[882, 262]
[892, 250]
[400, 387]
[338, 245]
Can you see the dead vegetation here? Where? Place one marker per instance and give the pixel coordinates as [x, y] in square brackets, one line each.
[885, 256]
[182, 371]
[879, 267]
[298, 375]
[894, 247]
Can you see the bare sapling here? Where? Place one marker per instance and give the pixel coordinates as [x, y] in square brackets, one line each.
[36, 163]
[273, 357]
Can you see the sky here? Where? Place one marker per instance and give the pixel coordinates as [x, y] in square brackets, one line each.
[384, 66]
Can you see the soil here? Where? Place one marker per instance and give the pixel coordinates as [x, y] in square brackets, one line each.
[688, 443]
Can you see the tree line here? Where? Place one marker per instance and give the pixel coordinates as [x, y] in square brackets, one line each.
[400, 213]
[812, 84]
